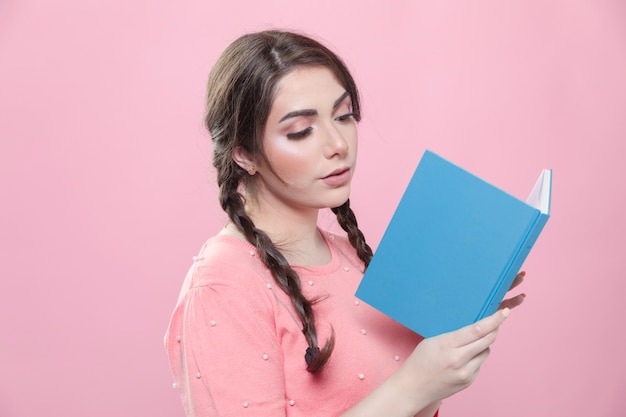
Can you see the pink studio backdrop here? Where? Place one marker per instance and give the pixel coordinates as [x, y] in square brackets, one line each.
[107, 191]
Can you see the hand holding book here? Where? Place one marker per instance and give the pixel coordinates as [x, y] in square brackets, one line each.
[437, 368]
[443, 365]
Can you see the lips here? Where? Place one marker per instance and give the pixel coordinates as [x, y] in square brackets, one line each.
[338, 177]
[338, 171]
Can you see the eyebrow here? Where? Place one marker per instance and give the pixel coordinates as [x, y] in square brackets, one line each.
[312, 112]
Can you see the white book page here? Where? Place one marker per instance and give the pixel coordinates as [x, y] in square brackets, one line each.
[541, 193]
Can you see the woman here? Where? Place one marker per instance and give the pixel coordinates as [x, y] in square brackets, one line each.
[266, 323]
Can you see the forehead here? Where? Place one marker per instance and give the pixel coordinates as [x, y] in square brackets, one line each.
[307, 87]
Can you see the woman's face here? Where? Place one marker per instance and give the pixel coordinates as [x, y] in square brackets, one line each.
[310, 140]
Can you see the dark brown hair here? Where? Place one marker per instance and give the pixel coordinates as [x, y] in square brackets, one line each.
[241, 90]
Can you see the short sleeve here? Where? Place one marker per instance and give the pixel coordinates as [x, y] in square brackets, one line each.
[225, 353]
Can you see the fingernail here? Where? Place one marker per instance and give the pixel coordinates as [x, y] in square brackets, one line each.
[506, 311]
[523, 273]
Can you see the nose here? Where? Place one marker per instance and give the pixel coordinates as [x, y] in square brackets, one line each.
[335, 143]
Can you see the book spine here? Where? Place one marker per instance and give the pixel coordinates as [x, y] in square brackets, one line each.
[511, 271]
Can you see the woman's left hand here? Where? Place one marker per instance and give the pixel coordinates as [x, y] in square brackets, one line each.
[518, 299]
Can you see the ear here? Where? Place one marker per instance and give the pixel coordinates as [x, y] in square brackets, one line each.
[243, 158]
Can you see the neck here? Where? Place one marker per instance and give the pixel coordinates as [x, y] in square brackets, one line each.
[293, 232]
[296, 236]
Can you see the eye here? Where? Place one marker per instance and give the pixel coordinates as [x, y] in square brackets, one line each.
[345, 117]
[301, 134]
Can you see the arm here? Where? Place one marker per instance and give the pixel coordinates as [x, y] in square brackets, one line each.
[225, 354]
[438, 368]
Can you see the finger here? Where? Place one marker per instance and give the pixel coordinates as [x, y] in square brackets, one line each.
[476, 348]
[513, 302]
[478, 359]
[519, 278]
[478, 330]
[476, 362]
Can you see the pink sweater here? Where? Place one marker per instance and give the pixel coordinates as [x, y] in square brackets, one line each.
[235, 343]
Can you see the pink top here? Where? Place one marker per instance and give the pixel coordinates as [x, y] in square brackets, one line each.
[235, 343]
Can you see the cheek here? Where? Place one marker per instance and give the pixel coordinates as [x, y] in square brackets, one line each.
[289, 159]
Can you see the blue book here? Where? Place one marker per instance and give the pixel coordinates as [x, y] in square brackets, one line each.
[453, 247]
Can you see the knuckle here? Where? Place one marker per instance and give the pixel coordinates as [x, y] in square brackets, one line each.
[478, 330]
[457, 362]
[465, 376]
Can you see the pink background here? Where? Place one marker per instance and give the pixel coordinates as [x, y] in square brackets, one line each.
[107, 192]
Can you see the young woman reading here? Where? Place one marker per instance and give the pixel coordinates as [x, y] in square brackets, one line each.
[267, 323]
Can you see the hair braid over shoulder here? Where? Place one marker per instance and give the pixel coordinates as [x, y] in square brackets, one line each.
[286, 278]
[347, 221]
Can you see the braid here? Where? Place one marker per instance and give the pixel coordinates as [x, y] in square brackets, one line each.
[286, 278]
[241, 90]
[347, 221]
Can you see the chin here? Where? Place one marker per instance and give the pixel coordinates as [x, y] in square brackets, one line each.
[339, 201]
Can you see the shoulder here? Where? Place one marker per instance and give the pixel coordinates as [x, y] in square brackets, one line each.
[227, 260]
[227, 276]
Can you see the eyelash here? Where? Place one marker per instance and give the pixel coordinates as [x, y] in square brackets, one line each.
[303, 133]
[345, 117]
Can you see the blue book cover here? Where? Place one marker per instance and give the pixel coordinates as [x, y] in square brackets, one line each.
[453, 247]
